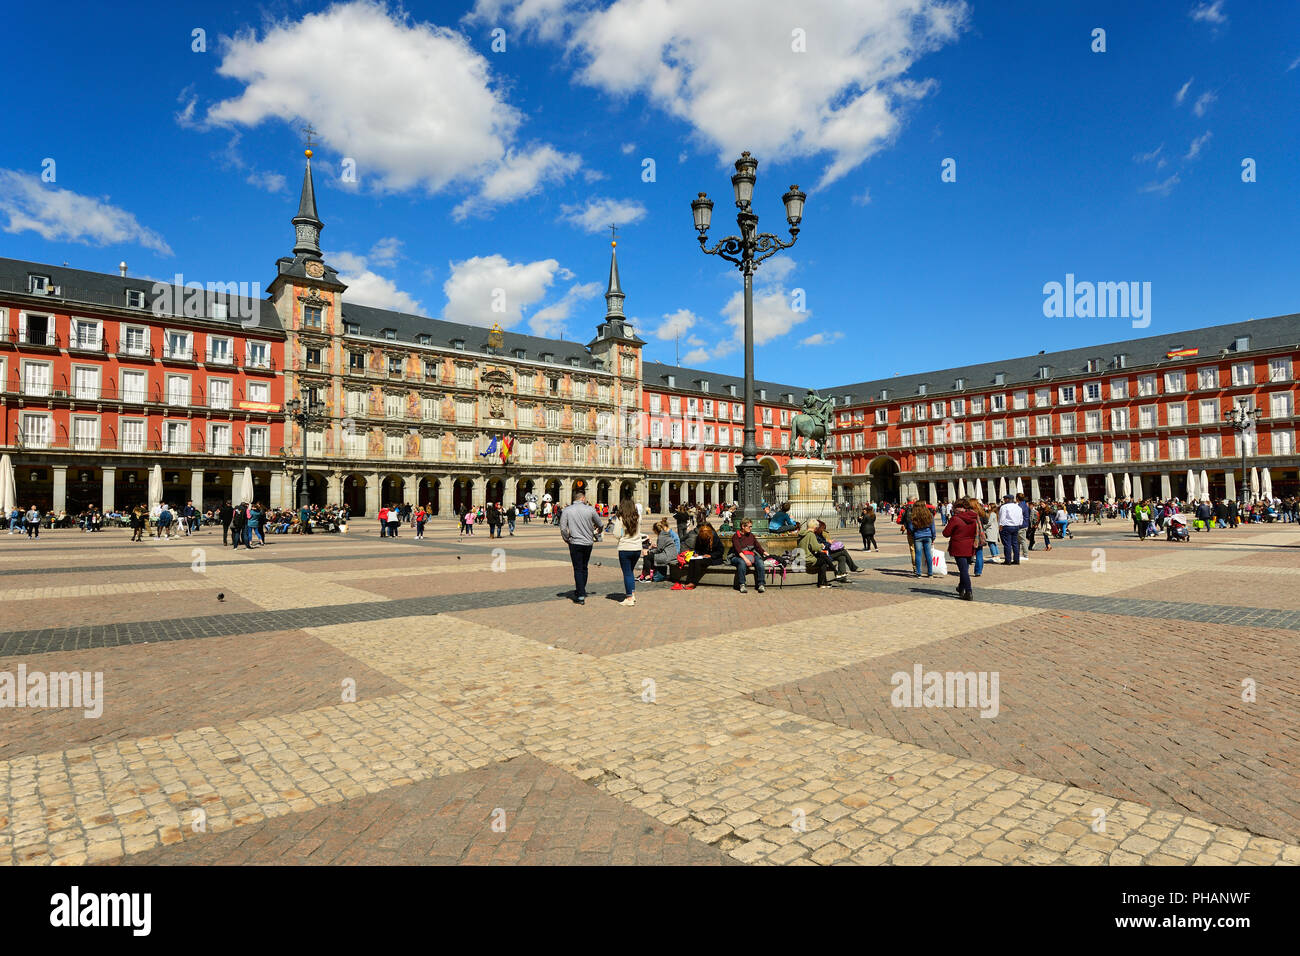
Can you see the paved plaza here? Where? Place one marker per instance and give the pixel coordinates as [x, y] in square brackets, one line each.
[351, 699]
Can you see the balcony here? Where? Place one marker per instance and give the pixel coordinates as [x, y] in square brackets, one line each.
[182, 355]
[38, 338]
[261, 364]
[87, 346]
[220, 359]
[137, 353]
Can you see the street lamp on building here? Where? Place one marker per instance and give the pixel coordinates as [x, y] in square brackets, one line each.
[305, 411]
[1243, 419]
[747, 250]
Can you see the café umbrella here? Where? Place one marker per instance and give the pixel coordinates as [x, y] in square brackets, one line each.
[1204, 487]
[8, 485]
[1110, 487]
[155, 486]
[1060, 488]
[1266, 485]
[1128, 485]
[1192, 492]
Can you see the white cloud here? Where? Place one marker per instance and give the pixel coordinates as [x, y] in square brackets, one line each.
[549, 321]
[598, 213]
[1294, 64]
[845, 96]
[415, 105]
[385, 251]
[1182, 92]
[677, 323]
[773, 316]
[367, 287]
[774, 270]
[1195, 149]
[822, 338]
[1148, 157]
[863, 198]
[487, 289]
[628, 148]
[697, 356]
[61, 215]
[1164, 187]
[1209, 13]
[271, 182]
[1203, 103]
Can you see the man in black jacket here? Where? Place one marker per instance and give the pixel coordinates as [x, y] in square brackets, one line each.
[226, 513]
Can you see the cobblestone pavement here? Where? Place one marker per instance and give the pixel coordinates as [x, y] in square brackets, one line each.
[349, 699]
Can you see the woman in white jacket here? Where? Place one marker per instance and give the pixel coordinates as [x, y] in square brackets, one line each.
[628, 527]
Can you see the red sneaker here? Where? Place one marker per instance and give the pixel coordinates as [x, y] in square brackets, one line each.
[689, 587]
[677, 587]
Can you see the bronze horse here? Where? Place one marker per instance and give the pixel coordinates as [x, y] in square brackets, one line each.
[811, 431]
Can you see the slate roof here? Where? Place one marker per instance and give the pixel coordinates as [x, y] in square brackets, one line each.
[1275, 332]
[655, 375]
[79, 286]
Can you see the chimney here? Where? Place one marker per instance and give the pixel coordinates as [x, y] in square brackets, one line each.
[121, 267]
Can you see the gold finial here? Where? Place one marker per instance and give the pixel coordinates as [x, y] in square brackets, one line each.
[307, 153]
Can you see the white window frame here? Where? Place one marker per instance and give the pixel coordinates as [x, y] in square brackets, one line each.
[171, 353]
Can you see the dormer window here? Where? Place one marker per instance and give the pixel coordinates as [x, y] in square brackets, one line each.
[38, 284]
[134, 299]
[1094, 365]
[959, 384]
[390, 334]
[1242, 344]
[1044, 371]
[575, 362]
[423, 339]
[920, 389]
[884, 394]
[704, 385]
[458, 344]
[351, 328]
[789, 398]
[519, 353]
[848, 400]
[1121, 360]
[1000, 378]
[218, 311]
[762, 394]
[672, 381]
[548, 356]
[732, 390]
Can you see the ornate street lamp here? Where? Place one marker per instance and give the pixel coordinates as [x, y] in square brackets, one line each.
[305, 411]
[747, 250]
[1243, 419]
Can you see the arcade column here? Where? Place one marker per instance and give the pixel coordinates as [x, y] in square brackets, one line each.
[60, 488]
[110, 489]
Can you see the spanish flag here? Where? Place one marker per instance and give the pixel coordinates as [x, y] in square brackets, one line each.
[507, 447]
[1181, 353]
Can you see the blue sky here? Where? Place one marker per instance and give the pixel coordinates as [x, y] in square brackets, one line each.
[479, 169]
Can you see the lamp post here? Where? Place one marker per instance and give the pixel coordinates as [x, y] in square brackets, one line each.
[747, 250]
[1243, 419]
[304, 411]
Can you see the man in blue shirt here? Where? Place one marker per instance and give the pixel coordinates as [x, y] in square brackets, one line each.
[1022, 534]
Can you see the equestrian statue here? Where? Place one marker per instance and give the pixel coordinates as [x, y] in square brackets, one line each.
[812, 428]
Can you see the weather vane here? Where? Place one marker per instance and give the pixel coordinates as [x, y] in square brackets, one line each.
[613, 234]
[309, 132]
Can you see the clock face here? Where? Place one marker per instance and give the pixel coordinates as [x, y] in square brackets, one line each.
[315, 269]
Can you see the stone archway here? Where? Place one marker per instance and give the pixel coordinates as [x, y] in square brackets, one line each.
[354, 494]
[462, 494]
[523, 489]
[495, 491]
[883, 474]
[656, 497]
[771, 480]
[602, 491]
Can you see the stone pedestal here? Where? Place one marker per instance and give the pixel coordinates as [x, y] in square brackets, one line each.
[810, 490]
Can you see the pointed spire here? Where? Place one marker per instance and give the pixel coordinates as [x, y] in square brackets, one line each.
[613, 294]
[307, 224]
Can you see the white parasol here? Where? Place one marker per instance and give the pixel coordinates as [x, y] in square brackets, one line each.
[1192, 493]
[1020, 486]
[1002, 488]
[1110, 487]
[8, 486]
[1137, 488]
[155, 486]
[979, 489]
[1254, 483]
[245, 487]
[1060, 487]
[961, 487]
[1266, 485]
[1080, 488]
[1034, 490]
[1128, 485]
[952, 491]
[1205, 485]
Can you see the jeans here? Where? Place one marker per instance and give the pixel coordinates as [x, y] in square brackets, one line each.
[979, 561]
[1011, 544]
[738, 563]
[963, 569]
[924, 556]
[512, 525]
[993, 547]
[580, 555]
[1021, 541]
[225, 534]
[383, 529]
[627, 561]
[843, 561]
